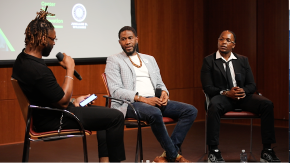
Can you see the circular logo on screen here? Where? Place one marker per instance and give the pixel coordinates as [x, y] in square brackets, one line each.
[79, 12]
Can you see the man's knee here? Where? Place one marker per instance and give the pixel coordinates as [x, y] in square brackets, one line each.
[155, 117]
[118, 115]
[191, 110]
[213, 109]
[267, 105]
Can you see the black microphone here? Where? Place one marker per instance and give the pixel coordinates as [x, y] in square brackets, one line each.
[238, 79]
[158, 92]
[60, 56]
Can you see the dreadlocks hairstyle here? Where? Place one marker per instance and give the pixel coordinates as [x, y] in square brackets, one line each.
[38, 28]
[127, 28]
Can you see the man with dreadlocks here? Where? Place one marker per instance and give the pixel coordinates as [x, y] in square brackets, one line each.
[41, 88]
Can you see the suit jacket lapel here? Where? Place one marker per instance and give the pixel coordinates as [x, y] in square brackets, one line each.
[236, 65]
[220, 65]
[130, 65]
[146, 61]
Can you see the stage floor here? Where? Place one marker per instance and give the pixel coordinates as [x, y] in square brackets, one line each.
[233, 138]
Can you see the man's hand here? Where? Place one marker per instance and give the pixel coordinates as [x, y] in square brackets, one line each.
[164, 98]
[80, 99]
[236, 93]
[151, 101]
[67, 62]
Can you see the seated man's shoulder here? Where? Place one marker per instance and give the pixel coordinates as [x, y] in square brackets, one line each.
[31, 67]
[117, 56]
[241, 57]
[146, 56]
[210, 56]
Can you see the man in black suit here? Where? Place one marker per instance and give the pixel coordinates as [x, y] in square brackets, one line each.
[218, 77]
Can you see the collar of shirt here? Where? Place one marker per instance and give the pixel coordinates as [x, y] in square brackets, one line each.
[39, 60]
[218, 56]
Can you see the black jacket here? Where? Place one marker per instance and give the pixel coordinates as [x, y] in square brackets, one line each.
[213, 76]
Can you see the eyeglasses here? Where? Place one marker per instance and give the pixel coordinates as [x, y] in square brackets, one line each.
[227, 39]
[52, 39]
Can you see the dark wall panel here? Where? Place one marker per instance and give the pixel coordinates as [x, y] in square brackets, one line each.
[238, 16]
[165, 31]
[273, 54]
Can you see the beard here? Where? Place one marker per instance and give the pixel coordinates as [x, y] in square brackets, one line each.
[130, 52]
[46, 50]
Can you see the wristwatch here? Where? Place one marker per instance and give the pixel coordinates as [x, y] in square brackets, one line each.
[138, 99]
[224, 92]
[72, 100]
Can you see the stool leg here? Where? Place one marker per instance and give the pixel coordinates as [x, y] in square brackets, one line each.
[25, 155]
[26, 147]
[140, 145]
[205, 149]
[85, 149]
[251, 135]
[137, 147]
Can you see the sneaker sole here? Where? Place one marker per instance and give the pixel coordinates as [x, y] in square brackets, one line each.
[263, 160]
[208, 161]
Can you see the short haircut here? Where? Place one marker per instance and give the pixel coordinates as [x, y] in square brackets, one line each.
[37, 29]
[231, 33]
[127, 28]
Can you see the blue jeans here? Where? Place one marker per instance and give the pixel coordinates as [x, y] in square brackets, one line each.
[184, 113]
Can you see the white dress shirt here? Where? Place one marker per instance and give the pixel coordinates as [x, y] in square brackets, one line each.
[232, 56]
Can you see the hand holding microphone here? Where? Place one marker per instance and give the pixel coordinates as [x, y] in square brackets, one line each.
[65, 61]
[162, 95]
[68, 63]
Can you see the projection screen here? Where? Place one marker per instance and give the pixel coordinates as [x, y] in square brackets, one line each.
[85, 29]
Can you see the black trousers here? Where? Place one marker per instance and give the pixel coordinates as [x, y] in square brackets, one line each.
[221, 104]
[96, 118]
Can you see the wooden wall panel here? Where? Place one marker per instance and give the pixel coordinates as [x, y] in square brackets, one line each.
[12, 124]
[274, 53]
[238, 16]
[165, 31]
[6, 89]
[198, 41]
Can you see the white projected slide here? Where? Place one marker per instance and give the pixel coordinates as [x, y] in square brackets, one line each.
[84, 28]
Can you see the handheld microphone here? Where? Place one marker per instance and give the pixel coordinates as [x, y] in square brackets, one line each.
[158, 92]
[238, 79]
[59, 57]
